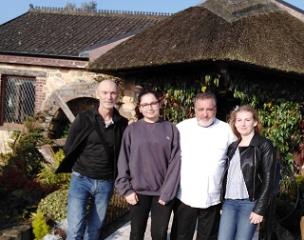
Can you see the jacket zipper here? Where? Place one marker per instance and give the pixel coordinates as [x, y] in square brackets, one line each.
[254, 173]
[114, 149]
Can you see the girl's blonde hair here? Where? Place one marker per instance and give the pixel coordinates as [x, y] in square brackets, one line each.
[244, 108]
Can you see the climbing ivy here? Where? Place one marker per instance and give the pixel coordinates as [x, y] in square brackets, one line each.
[177, 97]
[280, 110]
[281, 121]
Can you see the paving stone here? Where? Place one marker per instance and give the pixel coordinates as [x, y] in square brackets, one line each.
[123, 232]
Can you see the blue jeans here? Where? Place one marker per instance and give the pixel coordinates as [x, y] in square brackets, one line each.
[86, 222]
[235, 223]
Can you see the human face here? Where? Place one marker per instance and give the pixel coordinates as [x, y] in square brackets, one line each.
[107, 94]
[149, 107]
[244, 123]
[205, 111]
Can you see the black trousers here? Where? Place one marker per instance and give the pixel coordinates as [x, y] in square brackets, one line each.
[186, 217]
[160, 216]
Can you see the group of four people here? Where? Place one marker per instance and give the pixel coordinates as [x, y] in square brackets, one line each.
[159, 168]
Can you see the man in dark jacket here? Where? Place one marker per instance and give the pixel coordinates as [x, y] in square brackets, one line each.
[91, 153]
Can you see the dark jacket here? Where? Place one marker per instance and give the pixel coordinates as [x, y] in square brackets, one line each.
[83, 125]
[257, 166]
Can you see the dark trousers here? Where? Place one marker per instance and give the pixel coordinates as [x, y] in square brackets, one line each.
[186, 217]
[160, 216]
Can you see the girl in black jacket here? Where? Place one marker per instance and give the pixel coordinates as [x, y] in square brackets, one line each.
[248, 181]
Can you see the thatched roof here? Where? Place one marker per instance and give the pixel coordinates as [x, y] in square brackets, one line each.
[259, 34]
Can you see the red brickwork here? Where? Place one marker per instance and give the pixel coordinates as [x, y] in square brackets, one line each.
[25, 60]
[40, 93]
[1, 100]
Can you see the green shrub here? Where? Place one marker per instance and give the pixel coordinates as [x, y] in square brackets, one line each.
[39, 224]
[19, 191]
[47, 175]
[24, 149]
[54, 205]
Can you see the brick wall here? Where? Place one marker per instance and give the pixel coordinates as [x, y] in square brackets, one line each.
[39, 92]
[1, 100]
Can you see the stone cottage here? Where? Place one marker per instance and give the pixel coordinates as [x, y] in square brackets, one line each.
[44, 55]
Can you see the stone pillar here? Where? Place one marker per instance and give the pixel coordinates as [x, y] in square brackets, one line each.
[129, 101]
[5, 140]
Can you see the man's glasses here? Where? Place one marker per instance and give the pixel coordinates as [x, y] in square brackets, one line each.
[146, 105]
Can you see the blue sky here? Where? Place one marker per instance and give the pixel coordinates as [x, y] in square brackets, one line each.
[10, 9]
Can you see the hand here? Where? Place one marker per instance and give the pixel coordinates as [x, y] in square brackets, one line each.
[255, 218]
[132, 198]
[161, 202]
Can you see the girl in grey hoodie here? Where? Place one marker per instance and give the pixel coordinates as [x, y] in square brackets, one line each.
[149, 169]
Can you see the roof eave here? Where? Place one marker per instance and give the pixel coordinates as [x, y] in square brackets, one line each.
[42, 55]
[137, 68]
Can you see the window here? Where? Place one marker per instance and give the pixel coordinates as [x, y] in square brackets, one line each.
[18, 98]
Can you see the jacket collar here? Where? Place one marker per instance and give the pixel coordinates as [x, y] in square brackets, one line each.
[116, 116]
[256, 140]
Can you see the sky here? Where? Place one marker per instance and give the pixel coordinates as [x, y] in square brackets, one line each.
[10, 9]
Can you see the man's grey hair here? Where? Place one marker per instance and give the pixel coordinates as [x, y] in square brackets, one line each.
[203, 96]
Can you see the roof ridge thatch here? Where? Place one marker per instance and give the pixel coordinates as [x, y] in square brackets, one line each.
[233, 10]
[80, 11]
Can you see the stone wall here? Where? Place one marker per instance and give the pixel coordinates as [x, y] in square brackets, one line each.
[55, 86]
[5, 139]
[21, 232]
[47, 81]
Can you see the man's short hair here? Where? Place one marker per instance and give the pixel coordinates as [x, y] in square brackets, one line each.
[115, 83]
[203, 96]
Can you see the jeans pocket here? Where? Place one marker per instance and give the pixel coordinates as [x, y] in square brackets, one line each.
[77, 174]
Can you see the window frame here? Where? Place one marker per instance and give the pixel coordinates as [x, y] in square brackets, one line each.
[4, 80]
